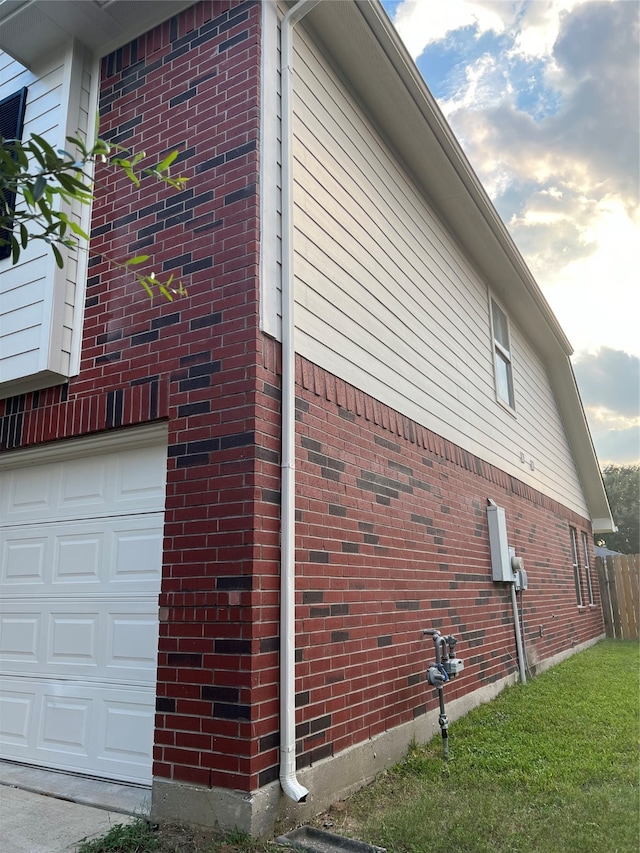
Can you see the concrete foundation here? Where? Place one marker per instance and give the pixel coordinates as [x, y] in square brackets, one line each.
[329, 780]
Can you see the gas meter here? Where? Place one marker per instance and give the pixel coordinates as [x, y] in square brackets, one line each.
[445, 667]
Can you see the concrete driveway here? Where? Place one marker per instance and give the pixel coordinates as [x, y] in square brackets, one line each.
[35, 823]
[45, 812]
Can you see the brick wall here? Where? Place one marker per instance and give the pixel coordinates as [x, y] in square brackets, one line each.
[392, 538]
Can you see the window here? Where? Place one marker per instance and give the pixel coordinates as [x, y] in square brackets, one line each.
[576, 565]
[11, 121]
[502, 355]
[587, 568]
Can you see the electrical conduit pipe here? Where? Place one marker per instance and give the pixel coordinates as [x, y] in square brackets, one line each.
[288, 780]
[516, 619]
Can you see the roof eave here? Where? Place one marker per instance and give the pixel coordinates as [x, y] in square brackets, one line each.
[31, 29]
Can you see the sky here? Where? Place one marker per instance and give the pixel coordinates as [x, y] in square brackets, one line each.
[543, 96]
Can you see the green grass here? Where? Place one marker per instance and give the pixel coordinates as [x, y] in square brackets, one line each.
[547, 767]
[136, 837]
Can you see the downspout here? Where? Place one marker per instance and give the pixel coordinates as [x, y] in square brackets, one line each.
[290, 785]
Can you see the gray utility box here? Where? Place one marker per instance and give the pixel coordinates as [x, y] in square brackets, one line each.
[500, 558]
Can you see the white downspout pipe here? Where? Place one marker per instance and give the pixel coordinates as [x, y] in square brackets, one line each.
[290, 785]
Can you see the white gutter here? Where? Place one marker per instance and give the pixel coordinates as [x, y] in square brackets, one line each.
[290, 785]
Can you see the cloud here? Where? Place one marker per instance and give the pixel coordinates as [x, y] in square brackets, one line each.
[615, 446]
[544, 98]
[534, 26]
[610, 379]
[590, 143]
[609, 383]
[423, 22]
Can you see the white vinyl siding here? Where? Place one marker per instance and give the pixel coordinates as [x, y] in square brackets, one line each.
[386, 300]
[40, 305]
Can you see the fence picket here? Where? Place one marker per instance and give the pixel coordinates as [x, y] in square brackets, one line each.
[605, 595]
[619, 581]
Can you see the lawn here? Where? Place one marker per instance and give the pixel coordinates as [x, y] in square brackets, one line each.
[548, 767]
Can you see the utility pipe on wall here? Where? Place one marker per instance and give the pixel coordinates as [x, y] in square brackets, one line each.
[516, 619]
[288, 780]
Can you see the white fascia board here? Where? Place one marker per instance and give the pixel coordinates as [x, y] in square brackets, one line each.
[30, 29]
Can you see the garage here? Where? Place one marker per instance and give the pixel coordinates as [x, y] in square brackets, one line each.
[81, 526]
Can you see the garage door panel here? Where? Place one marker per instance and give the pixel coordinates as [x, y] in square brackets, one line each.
[80, 640]
[20, 637]
[116, 483]
[16, 716]
[70, 558]
[64, 722]
[78, 555]
[81, 547]
[132, 642]
[23, 559]
[73, 640]
[143, 484]
[126, 731]
[78, 727]
[138, 554]
[29, 492]
[82, 483]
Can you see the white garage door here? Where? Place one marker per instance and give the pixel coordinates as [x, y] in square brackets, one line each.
[81, 551]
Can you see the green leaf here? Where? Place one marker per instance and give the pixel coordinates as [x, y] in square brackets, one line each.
[168, 160]
[79, 143]
[143, 281]
[39, 187]
[78, 230]
[138, 259]
[35, 151]
[47, 150]
[57, 255]
[45, 210]
[15, 249]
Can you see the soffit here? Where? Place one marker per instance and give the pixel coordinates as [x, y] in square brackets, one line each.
[30, 29]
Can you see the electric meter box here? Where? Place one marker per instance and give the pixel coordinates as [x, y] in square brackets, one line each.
[500, 558]
[521, 580]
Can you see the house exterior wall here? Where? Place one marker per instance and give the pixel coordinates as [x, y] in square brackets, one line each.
[391, 515]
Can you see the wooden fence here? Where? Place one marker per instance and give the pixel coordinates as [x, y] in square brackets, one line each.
[619, 578]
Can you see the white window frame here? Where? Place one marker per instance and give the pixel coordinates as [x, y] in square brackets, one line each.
[587, 569]
[502, 354]
[576, 565]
